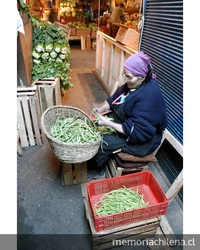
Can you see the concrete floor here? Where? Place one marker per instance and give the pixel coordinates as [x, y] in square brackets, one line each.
[50, 215]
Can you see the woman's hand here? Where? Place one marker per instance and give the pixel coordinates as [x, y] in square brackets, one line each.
[103, 121]
[102, 107]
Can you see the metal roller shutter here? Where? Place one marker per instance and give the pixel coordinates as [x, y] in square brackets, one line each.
[162, 40]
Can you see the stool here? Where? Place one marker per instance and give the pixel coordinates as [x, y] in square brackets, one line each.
[73, 173]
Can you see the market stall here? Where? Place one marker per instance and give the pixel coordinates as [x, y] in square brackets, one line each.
[50, 57]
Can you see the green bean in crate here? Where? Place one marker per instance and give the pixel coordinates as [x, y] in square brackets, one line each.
[74, 130]
[119, 200]
[65, 151]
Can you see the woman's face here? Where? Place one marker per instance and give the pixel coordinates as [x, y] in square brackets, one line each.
[132, 81]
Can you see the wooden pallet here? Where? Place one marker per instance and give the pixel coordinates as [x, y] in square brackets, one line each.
[73, 173]
[49, 92]
[28, 123]
[111, 237]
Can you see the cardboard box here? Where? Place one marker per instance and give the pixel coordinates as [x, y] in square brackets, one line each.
[128, 37]
[83, 32]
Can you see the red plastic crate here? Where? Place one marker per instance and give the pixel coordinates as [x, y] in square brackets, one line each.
[146, 184]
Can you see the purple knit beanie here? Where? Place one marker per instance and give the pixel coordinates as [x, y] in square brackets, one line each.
[138, 64]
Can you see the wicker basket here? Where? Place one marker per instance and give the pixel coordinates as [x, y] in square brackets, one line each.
[68, 152]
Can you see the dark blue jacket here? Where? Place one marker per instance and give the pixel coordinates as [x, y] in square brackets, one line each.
[145, 111]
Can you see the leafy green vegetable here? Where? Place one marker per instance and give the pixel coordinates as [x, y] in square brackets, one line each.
[45, 56]
[39, 47]
[64, 50]
[36, 61]
[35, 54]
[58, 60]
[53, 54]
[62, 56]
[57, 48]
[25, 8]
[54, 50]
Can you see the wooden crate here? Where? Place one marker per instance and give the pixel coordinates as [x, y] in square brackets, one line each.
[85, 43]
[28, 117]
[73, 32]
[134, 231]
[128, 37]
[73, 173]
[83, 32]
[72, 19]
[49, 92]
[66, 28]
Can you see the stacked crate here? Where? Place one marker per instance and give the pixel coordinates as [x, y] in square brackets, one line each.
[49, 93]
[28, 115]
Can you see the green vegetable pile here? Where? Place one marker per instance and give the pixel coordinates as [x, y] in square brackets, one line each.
[24, 7]
[51, 53]
[101, 128]
[73, 130]
[82, 25]
[119, 200]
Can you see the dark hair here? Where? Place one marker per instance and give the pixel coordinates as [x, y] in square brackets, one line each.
[149, 74]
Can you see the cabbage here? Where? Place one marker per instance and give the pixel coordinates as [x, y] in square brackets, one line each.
[63, 50]
[57, 48]
[58, 60]
[45, 56]
[53, 54]
[62, 56]
[35, 54]
[39, 47]
[49, 47]
[36, 61]
[51, 59]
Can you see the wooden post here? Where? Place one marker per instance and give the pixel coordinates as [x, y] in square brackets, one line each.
[175, 187]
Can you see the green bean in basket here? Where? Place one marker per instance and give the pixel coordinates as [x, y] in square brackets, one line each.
[73, 130]
[119, 200]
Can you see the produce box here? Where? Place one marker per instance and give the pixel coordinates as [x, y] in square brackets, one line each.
[144, 182]
[73, 173]
[28, 118]
[85, 43]
[128, 37]
[66, 28]
[48, 92]
[83, 32]
[73, 32]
